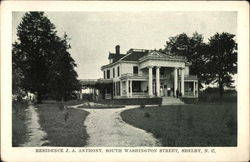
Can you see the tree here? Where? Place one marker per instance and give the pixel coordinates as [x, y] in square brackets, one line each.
[222, 60]
[193, 48]
[17, 76]
[41, 62]
[33, 52]
[178, 45]
[62, 76]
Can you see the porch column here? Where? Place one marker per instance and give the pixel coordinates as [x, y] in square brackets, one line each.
[120, 88]
[127, 91]
[150, 81]
[175, 81]
[157, 81]
[194, 86]
[130, 86]
[80, 93]
[114, 92]
[197, 89]
[105, 93]
[182, 82]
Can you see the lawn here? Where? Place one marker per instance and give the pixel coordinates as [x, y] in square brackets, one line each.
[202, 124]
[60, 133]
[19, 127]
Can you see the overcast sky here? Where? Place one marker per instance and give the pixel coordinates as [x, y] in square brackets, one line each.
[95, 34]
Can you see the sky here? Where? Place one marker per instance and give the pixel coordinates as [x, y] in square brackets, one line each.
[95, 34]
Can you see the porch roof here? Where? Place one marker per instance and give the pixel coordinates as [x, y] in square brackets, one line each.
[94, 82]
[134, 76]
[189, 78]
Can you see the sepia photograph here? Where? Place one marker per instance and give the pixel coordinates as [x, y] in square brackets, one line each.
[124, 80]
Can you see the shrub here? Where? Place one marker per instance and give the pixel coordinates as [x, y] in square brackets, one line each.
[142, 106]
[147, 115]
[137, 101]
[229, 96]
[88, 97]
[89, 105]
[61, 107]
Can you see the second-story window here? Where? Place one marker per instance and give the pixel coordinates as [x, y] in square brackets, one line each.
[113, 72]
[108, 74]
[135, 69]
[118, 71]
[104, 74]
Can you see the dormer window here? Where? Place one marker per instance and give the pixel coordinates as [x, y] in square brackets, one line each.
[110, 61]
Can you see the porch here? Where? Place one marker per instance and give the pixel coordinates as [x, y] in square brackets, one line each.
[136, 86]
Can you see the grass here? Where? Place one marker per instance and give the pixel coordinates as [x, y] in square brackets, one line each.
[216, 98]
[60, 133]
[19, 127]
[203, 124]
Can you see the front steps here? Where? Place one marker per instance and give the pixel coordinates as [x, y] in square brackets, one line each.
[171, 101]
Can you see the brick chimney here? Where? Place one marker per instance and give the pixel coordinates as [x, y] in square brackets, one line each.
[117, 49]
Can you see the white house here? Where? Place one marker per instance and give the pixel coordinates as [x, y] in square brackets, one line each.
[148, 73]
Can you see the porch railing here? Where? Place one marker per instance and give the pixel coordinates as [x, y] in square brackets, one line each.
[107, 96]
[139, 94]
[188, 77]
[131, 74]
[189, 93]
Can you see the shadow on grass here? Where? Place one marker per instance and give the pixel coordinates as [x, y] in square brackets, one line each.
[19, 127]
[60, 133]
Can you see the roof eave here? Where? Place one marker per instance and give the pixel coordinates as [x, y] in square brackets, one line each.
[161, 58]
[117, 62]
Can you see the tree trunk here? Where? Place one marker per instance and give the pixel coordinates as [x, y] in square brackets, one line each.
[221, 89]
[62, 99]
[39, 97]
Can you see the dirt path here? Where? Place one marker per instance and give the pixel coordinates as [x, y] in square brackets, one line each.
[106, 128]
[36, 135]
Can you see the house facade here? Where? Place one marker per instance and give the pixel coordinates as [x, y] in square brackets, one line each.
[148, 73]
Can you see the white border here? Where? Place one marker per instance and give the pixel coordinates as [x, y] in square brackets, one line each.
[240, 153]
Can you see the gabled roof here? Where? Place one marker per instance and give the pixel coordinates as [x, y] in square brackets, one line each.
[159, 55]
[156, 54]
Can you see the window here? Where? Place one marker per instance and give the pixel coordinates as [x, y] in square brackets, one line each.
[118, 88]
[135, 70]
[118, 71]
[104, 74]
[113, 72]
[108, 74]
[136, 85]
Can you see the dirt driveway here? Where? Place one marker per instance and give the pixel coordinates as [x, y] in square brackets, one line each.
[36, 134]
[106, 128]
